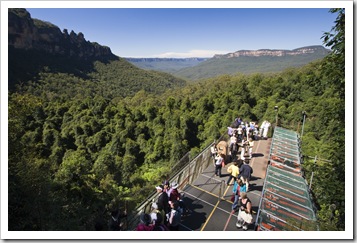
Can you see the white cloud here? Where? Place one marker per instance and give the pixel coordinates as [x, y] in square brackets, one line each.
[191, 53]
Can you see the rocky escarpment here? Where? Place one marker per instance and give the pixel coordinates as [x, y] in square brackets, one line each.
[27, 33]
[276, 53]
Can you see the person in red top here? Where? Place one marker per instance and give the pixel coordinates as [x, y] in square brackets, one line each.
[174, 194]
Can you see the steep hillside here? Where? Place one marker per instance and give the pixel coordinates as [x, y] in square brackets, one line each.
[39, 51]
[246, 61]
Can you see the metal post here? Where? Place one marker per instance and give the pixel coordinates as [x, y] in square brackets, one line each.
[312, 174]
[220, 190]
[303, 123]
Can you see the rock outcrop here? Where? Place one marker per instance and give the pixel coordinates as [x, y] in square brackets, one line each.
[27, 33]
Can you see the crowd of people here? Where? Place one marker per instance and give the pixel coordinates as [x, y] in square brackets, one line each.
[169, 208]
[242, 136]
[166, 212]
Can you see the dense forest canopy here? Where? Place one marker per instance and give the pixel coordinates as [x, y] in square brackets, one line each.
[80, 144]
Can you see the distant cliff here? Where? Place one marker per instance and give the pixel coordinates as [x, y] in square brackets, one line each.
[276, 53]
[32, 34]
[253, 61]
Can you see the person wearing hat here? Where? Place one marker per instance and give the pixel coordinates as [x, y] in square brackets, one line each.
[174, 194]
[145, 223]
[162, 201]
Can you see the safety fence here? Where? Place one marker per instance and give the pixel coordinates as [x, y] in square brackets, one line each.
[286, 203]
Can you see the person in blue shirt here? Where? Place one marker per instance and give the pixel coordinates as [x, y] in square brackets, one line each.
[238, 188]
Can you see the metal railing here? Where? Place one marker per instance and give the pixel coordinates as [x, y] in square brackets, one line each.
[186, 171]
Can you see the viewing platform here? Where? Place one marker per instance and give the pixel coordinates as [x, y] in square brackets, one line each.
[279, 193]
[208, 197]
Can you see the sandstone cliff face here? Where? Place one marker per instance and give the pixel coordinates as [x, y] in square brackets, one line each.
[27, 33]
[277, 53]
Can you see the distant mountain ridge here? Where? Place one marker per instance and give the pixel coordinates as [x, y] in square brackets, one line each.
[242, 61]
[32, 39]
[275, 53]
[253, 61]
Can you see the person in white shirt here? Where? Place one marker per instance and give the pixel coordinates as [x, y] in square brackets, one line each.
[218, 165]
[243, 144]
[250, 149]
[240, 132]
[233, 140]
[214, 150]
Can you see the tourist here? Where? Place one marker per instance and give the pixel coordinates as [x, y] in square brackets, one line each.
[250, 147]
[246, 171]
[233, 170]
[218, 165]
[244, 217]
[174, 216]
[214, 150]
[162, 201]
[238, 188]
[158, 224]
[145, 223]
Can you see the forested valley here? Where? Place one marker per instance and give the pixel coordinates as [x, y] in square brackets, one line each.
[79, 145]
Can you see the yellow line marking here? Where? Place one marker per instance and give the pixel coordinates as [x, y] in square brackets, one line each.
[198, 188]
[223, 199]
[214, 209]
[209, 217]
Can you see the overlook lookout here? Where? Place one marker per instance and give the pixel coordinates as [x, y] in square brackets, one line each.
[279, 194]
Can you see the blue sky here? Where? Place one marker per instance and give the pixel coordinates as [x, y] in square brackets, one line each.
[192, 32]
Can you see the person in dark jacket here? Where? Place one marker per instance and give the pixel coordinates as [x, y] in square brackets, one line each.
[162, 201]
[174, 217]
[246, 171]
